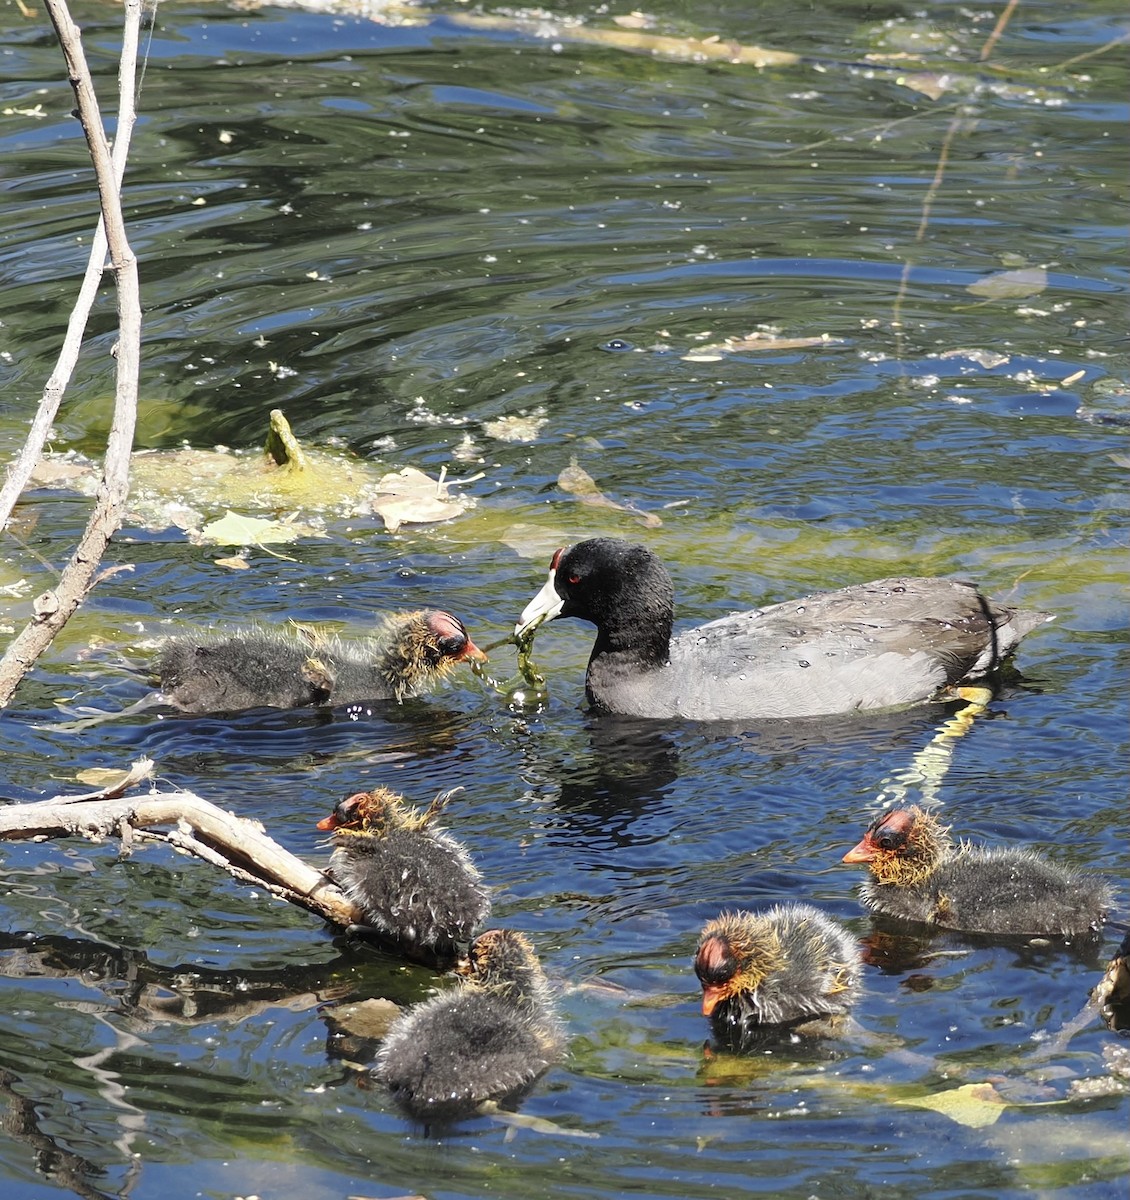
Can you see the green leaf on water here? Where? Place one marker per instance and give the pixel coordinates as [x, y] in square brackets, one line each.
[973, 1104]
[1011, 285]
[235, 529]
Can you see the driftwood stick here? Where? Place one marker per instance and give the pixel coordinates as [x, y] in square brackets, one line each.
[54, 608]
[235, 844]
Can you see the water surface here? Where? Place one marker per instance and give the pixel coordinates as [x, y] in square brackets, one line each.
[401, 234]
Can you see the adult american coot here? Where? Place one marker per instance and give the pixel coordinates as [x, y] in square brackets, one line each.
[917, 874]
[415, 883]
[788, 965]
[873, 645]
[261, 668]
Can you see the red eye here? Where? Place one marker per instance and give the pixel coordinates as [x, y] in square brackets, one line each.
[573, 579]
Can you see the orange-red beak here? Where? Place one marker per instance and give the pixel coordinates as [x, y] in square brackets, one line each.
[864, 852]
[327, 823]
[712, 996]
[470, 650]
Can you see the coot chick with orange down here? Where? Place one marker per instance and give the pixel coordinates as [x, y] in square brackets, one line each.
[489, 1039]
[790, 966]
[259, 668]
[884, 644]
[917, 874]
[415, 884]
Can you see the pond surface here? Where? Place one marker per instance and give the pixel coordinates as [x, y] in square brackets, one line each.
[443, 244]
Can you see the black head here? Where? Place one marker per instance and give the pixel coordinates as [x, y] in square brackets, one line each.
[610, 582]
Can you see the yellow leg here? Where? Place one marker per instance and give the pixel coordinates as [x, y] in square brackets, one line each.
[929, 765]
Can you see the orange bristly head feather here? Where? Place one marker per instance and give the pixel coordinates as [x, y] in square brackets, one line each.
[734, 955]
[903, 847]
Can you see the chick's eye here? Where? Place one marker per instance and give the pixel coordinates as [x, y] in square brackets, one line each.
[451, 646]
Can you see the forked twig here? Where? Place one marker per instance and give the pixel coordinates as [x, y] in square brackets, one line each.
[54, 608]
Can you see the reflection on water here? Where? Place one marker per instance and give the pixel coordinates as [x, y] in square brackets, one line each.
[404, 237]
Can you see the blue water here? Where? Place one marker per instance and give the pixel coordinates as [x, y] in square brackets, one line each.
[432, 227]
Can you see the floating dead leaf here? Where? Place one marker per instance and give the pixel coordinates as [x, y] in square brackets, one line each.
[235, 563]
[112, 781]
[1011, 285]
[60, 471]
[973, 1104]
[578, 482]
[410, 497]
[1120, 460]
[933, 84]
[983, 358]
[102, 777]
[365, 1018]
[519, 427]
[235, 529]
[760, 339]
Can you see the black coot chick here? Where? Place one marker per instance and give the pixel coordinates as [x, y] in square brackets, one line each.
[917, 874]
[257, 668]
[790, 966]
[489, 1039]
[415, 884]
[874, 645]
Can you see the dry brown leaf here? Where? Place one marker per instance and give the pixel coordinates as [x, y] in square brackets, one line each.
[932, 84]
[578, 482]
[365, 1018]
[101, 777]
[57, 472]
